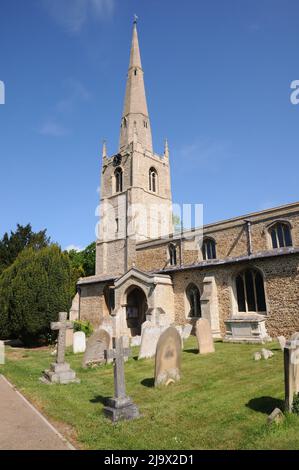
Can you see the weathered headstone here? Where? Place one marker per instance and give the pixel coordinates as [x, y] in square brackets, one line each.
[120, 407]
[282, 341]
[168, 357]
[60, 371]
[266, 353]
[96, 346]
[69, 338]
[257, 356]
[79, 342]
[135, 341]
[276, 416]
[291, 371]
[107, 324]
[149, 339]
[187, 331]
[204, 336]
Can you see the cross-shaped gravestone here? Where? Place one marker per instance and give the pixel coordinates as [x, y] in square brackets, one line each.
[62, 325]
[120, 406]
[60, 372]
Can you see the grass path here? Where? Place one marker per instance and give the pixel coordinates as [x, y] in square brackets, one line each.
[222, 401]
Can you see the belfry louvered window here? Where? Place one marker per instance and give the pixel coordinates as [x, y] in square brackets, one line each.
[118, 180]
[153, 180]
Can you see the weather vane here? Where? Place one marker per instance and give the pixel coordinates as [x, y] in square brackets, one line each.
[135, 18]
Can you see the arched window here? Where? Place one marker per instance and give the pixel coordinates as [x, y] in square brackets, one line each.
[172, 254]
[209, 249]
[280, 235]
[153, 180]
[118, 180]
[250, 291]
[193, 296]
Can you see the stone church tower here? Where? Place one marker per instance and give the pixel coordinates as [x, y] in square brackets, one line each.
[136, 202]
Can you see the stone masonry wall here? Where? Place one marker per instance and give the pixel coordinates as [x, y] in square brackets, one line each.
[231, 240]
[92, 303]
[281, 280]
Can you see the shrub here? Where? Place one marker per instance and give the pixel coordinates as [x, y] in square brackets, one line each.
[84, 326]
[32, 291]
[295, 406]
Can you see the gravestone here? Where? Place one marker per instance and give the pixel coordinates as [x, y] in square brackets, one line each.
[136, 341]
[120, 407]
[204, 336]
[291, 371]
[69, 338]
[79, 342]
[257, 356]
[266, 353]
[107, 324]
[168, 357]
[149, 339]
[187, 331]
[60, 371]
[97, 344]
[282, 341]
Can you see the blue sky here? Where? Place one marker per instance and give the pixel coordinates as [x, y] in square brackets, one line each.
[217, 74]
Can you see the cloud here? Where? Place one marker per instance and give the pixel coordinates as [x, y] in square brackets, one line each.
[53, 129]
[204, 153]
[76, 92]
[74, 247]
[72, 15]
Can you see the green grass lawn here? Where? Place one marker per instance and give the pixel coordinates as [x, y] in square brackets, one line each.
[221, 402]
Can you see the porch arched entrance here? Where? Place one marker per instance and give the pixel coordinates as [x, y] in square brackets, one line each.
[136, 307]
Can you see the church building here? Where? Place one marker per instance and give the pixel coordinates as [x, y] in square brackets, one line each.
[241, 274]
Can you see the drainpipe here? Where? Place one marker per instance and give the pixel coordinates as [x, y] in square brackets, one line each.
[249, 238]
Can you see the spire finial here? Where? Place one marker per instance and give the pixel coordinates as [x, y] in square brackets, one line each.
[104, 151]
[166, 148]
[135, 18]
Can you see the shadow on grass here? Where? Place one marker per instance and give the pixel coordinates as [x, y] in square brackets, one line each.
[265, 404]
[192, 351]
[99, 399]
[148, 382]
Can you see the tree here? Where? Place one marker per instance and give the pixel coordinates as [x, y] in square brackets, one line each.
[84, 259]
[33, 290]
[12, 245]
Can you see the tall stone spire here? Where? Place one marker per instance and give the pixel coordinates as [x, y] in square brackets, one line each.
[135, 118]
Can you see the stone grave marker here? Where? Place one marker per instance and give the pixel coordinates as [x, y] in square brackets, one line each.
[97, 344]
[136, 341]
[204, 336]
[291, 371]
[79, 342]
[60, 371]
[149, 339]
[282, 341]
[168, 357]
[69, 338]
[120, 407]
[187, 331]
